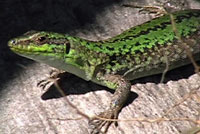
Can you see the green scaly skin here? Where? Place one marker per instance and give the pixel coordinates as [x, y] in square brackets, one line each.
[137, 52]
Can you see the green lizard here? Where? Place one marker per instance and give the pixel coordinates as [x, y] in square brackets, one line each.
[137, 52]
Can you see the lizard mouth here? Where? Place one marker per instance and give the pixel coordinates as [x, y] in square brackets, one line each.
[28, 47]
[15, 47]
[38, 52]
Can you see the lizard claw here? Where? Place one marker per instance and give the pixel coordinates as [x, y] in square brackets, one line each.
[54, 76]
[43, 83]
[104, 119]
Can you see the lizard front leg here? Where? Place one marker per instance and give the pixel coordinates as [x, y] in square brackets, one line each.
[122, 89]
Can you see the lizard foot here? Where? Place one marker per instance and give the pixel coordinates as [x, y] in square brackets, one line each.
[104, 119]
[53, 76]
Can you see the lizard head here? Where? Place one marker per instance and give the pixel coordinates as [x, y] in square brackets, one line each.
[51, 48]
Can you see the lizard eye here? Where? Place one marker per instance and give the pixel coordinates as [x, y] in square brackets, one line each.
[41, 39]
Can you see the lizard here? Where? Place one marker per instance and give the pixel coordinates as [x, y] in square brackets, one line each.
[137, 52]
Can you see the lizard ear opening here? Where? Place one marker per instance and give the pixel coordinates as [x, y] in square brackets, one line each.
[67, 47]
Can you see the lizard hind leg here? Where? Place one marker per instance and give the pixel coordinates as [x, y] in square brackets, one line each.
[120, 96]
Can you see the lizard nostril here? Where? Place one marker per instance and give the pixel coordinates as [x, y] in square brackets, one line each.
[13, 42]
